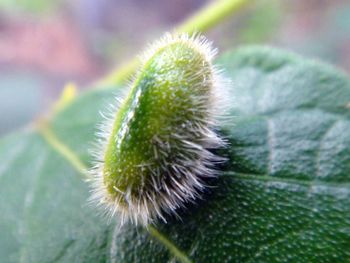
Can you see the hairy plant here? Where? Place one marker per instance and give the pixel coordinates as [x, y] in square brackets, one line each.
[155, 146]
[282, 194]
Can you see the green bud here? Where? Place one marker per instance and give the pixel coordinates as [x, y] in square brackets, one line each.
[156, 154]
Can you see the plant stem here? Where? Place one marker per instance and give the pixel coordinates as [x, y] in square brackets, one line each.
[204, 19]
[211, 15]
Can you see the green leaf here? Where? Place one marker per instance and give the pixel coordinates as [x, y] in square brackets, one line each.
[283, 196]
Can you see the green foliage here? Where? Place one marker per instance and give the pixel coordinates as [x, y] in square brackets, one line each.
[263, 23]
[30, 6]
[284, 195]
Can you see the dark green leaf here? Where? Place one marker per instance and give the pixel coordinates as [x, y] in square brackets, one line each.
[283, 196]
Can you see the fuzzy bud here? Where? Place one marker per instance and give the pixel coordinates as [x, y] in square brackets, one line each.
[155, 157]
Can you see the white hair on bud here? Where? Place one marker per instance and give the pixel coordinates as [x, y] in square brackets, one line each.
[183, 179]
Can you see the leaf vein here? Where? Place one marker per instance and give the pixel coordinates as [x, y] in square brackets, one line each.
[180, 255]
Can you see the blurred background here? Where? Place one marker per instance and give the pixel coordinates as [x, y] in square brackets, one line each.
[46, 43]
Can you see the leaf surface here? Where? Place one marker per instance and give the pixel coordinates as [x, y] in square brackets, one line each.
[283, 196]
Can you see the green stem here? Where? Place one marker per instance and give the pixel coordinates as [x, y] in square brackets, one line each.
[203, 20]
[211, 15]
